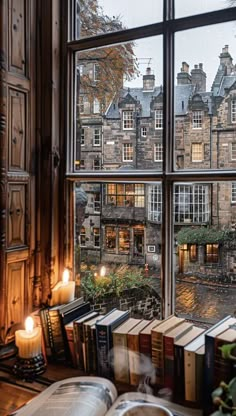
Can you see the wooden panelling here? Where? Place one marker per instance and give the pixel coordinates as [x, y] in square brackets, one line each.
[17, 130]
[16, 215]
[17, 36]
[15, 292]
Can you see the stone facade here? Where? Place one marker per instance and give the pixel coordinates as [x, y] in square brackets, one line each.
[131, 138]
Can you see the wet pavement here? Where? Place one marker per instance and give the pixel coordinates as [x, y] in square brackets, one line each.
[205, 301]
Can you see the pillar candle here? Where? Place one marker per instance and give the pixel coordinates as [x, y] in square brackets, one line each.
[67, 289]
[29, 341]
[55, 299]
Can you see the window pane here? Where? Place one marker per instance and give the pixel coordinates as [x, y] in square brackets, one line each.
[103, 16]
[119, 107]
[205, 249]
[205, 98]
[187, 8]
[121, 230]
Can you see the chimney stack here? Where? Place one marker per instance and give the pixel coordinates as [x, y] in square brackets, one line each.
[148, 80]
[226, 59]
[199, 78]
[183, 77]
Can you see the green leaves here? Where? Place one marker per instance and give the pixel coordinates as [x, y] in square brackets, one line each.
[204, 235]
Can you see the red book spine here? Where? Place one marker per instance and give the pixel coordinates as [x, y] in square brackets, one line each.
[145, 345]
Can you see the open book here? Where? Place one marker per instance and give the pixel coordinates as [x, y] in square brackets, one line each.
[96, 396]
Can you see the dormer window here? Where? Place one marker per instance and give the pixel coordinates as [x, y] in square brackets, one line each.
[128, 120]
[233, 111]
[158, 119]
[197, 120]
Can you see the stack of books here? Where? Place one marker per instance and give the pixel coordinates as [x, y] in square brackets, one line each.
[170, 353]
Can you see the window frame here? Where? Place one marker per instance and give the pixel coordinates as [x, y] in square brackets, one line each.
[97, 135]
[126, 152]
[169, 174]
[129, 120]
[197, 120]
[196, 152]
[159, 119]
[158, 152]
[233, 110]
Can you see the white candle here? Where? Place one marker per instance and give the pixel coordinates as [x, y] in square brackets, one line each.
[29, 340]
[55, 299]
[67, 289]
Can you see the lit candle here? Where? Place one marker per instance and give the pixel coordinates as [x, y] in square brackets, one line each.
[67, 289]
[29, 341]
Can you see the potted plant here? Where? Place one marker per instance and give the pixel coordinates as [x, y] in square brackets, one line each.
[224, 396]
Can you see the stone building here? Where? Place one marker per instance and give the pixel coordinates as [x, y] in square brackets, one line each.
[129, 135]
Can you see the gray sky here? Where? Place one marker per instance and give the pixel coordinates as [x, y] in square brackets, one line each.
[193, 46]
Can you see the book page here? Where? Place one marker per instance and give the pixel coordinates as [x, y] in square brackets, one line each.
[87, 396]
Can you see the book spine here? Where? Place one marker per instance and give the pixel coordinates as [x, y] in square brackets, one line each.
[44, 323]
[199, 360]
[120, 357]
[158, 357]
[102, 338]
[208, 374]
[93, 360]
[168, 362]
[56, 336]
[134, 359]
[71, 344]
[178, 388]
[145, 345]
[190, 376]
[78, 348]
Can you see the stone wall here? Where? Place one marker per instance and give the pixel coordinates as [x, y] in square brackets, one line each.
[143, 302]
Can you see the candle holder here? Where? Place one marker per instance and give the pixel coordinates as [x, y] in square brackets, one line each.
[29, 368]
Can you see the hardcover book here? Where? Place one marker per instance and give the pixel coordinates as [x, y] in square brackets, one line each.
[145, 339]
[135, 359]
[209, 371]
[158, 346]
[54, 320]
[169, 339]
[90, 359]
[179, 345]
[104, 339]
[79, 337]
[223, 367]
[120, 350]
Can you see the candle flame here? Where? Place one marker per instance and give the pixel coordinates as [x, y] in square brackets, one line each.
[65, 276]
[103, 271]
[29, 324]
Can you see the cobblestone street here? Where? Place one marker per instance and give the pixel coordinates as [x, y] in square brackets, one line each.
[200, 300]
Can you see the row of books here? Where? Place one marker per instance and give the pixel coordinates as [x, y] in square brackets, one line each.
[171, 353]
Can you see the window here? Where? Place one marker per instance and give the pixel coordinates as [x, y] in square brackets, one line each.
[97, 137]
[212, 253]
[96, 72]
[192, 204]
[81, 70]
[124, 240]
[233, 151]
[197, 152]
[110, 238]
[81, 104]
[82, 237]
[97, 202]
[128, 120]
[233, 111]
[189, 107]
[193, 252]
[125, 195]
[82, 137]
[197, 119]
[127, 152]
[96, 236]
[158, 152]
[143, 131]
[233, 192]
[96, 106]
[82, 165]
[158, 119]
[154, 203]
[96, 164]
